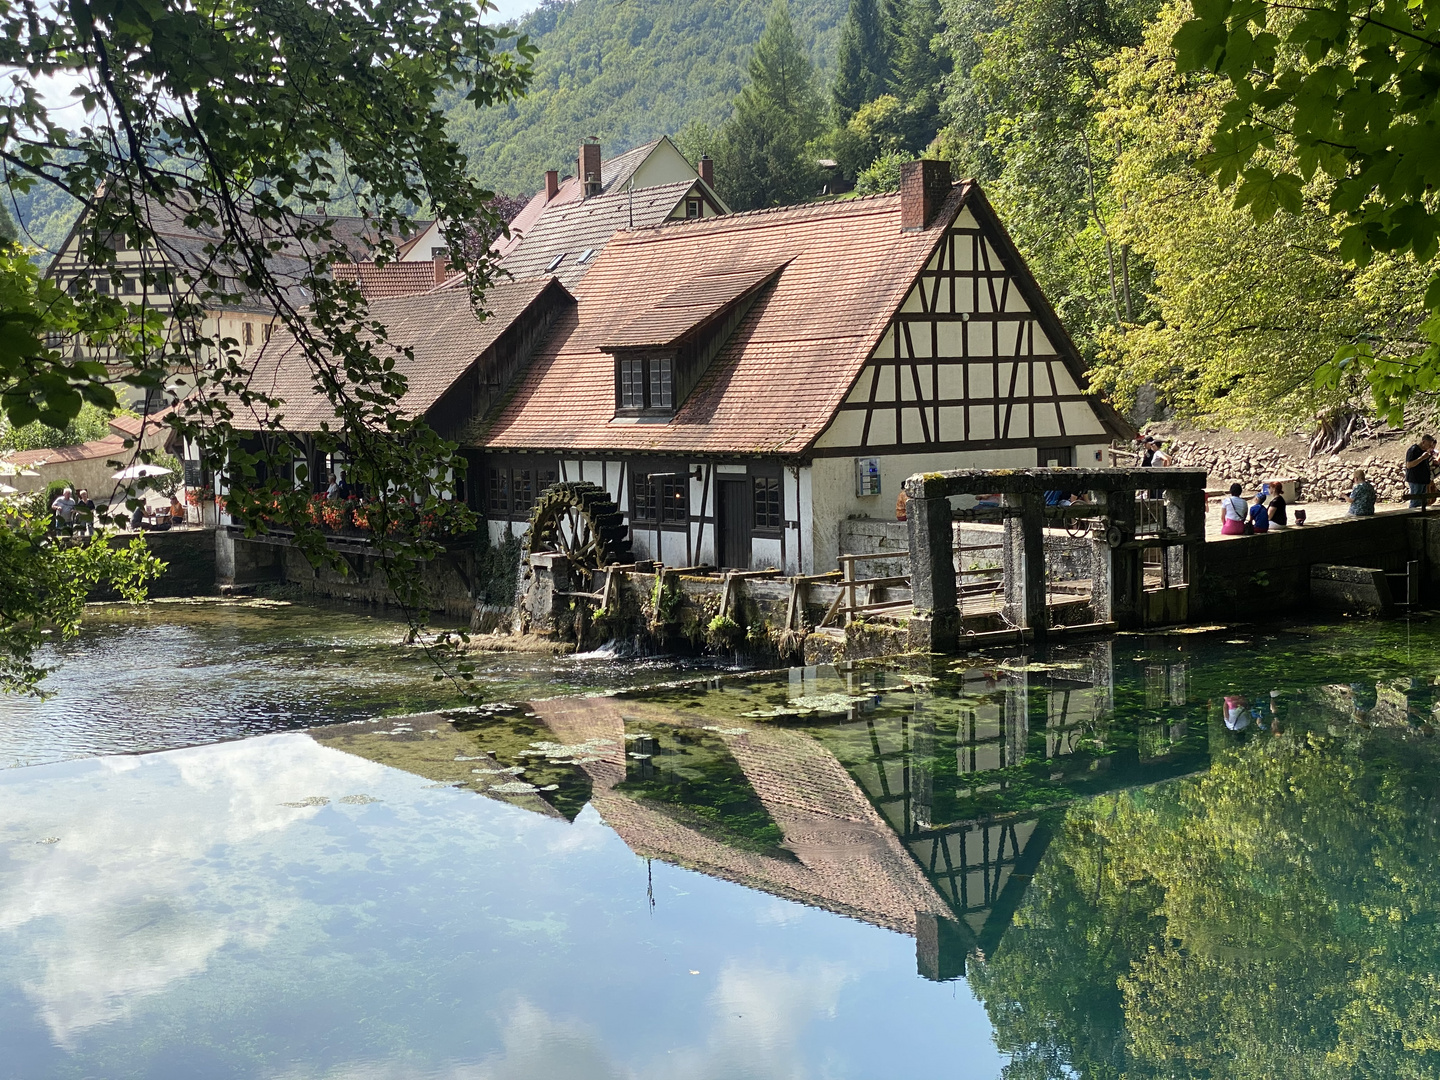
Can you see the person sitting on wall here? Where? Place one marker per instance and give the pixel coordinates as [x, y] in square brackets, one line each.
[177, 512]
[1362, 496]
[1259, 516]
[988, 502]
[1278, 510]
[1233, 513]
[900, 503]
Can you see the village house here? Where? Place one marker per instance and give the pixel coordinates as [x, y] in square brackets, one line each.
[566, 224]
[159, 275]
[739, 385]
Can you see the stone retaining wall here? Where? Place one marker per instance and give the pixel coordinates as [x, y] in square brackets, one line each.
[1327, 478]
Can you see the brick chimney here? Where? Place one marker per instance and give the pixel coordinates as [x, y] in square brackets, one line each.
[552, 184]
[707, 170]
[924, 187]
[442, 268]
[590, 180]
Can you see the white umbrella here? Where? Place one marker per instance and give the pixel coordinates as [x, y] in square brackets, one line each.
[6, 489]
[141, 472]
[10, 469]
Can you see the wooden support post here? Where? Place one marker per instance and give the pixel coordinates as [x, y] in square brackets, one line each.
[932, 569]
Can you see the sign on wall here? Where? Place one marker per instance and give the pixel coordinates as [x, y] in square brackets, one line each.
[867, 476]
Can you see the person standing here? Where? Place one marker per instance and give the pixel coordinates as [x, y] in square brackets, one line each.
[1419, 460]
[64, 510]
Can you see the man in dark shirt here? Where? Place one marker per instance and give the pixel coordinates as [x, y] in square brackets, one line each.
[1418, 460]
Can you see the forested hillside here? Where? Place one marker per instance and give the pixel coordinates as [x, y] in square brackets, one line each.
[627, 71]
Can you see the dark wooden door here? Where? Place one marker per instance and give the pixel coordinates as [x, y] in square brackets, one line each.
[734, 519]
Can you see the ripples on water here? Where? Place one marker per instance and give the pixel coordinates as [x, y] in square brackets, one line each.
[168, 675]
[1169, 856]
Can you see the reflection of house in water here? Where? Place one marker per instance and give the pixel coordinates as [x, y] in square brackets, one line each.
[924, 810]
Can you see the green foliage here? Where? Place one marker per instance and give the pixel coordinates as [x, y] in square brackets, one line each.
[761, 151]
[46, 580]
[723, 633]
[862, 62]
[628, 72]
[882, 174]
[1351, 89]
[1245, 311]
[89, 424]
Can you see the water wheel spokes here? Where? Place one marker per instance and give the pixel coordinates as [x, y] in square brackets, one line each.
[580, 521]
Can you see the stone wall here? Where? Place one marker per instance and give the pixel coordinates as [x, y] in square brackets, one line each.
[1327, 478]
[189, 555]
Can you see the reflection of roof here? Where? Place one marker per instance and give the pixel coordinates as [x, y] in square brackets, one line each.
[442, 330]
[689, 307]
[777, 382]
[569, 230]
[847, 859]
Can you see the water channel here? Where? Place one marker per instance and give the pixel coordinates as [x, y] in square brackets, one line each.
[259, 840]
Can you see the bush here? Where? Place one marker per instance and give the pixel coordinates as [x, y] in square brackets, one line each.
[882, 174]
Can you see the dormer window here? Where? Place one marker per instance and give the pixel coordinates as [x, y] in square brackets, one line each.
[661, 354]
[692, 208]
[644, 384]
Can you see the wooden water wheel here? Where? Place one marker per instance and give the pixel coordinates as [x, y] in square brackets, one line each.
[581, 522]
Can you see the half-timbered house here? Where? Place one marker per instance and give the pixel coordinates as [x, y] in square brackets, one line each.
[741, 385]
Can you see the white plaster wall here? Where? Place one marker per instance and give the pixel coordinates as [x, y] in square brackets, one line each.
[833, 496]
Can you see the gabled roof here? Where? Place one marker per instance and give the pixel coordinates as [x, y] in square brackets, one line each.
[574, 228]
[777, 383]
[441, 328]
[691, 306]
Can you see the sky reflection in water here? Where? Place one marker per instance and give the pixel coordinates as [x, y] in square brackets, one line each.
[1045, 867]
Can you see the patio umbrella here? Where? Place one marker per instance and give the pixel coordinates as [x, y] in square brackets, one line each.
[9, 469]
[6, 489]
[141, 472]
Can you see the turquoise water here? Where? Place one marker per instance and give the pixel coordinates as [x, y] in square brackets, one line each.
[1182, 855]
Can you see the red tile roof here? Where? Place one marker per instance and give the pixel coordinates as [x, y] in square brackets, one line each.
[778, 381]
[690, 306]
[440, 328]
[110, 446]
[392, 279]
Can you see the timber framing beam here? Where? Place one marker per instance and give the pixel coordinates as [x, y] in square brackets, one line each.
[939, 485]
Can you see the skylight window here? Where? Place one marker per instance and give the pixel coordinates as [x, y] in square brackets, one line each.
[586, 256]
[555, 264]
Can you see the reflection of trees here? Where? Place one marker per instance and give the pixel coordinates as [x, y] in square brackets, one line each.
[1274, 918]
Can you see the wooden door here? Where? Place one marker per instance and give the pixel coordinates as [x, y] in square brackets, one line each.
[734, 522]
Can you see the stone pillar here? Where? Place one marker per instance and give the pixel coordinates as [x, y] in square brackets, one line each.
[224, 557]
[932, 569]
[1117, 583]
[1024, 562]
[1184, 514]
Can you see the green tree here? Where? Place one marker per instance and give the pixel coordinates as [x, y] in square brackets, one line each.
[248, 122]
[782, 78]
[761, 154]
[862, 62]
[919, 71]
[1246, 311]
[1353, 86]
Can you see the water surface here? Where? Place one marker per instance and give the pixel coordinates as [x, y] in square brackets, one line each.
[1180, 855]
